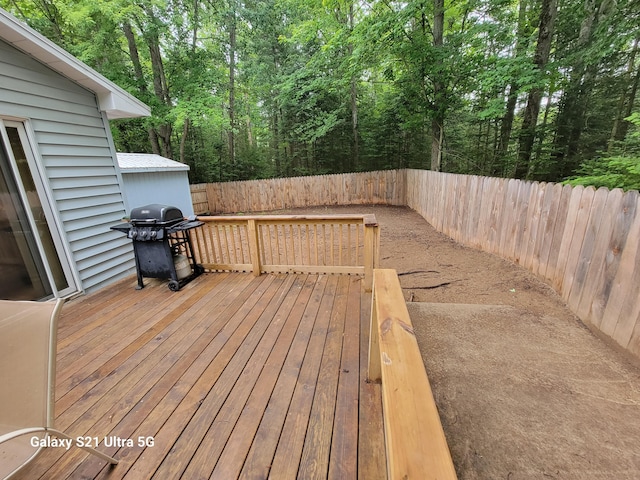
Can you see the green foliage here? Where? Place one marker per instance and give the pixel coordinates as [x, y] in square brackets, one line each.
[325, 86]
[618, 169]
[611, 172]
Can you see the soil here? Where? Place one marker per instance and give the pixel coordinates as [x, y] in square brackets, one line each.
[524, 389]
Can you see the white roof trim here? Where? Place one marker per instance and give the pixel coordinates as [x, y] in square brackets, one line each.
[113, 100]
[148, 162]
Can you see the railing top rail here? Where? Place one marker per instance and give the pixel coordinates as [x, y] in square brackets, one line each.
[366, 219]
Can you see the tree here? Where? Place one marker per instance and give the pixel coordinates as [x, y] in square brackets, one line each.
[263, 87]
[523, 34]
[584, 54]
[439, 86]
[543, 49]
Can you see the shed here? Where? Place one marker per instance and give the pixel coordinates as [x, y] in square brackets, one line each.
[60, 183]
[149, 178]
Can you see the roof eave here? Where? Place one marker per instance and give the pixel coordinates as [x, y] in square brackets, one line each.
[153, 170]
[113, 100]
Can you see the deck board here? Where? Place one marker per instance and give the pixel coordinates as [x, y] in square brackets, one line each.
[234, 376]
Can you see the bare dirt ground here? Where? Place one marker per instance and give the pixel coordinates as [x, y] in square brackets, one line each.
[524, 389]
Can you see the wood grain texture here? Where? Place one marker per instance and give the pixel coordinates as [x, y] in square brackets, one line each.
[415, 442]
[546, 228]
[218, 374]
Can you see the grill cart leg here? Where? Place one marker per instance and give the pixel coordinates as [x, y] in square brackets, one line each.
[140, 285]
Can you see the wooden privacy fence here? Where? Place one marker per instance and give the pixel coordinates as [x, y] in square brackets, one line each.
[381, 187]
[340, 244]
[199, 198]
[583, 242]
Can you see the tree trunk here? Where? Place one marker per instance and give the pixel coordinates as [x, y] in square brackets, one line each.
[161, 136]
[570, 119]
[543, 49]
[522, 43]
[632, 98]
[355, 154]
[183, 140]
[160, 88]
[625, 105]
[134, 55]
[232, 84]
[542, 129]
[437, 122]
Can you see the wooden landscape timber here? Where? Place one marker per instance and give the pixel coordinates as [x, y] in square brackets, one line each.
[583, 242]
[414, 439]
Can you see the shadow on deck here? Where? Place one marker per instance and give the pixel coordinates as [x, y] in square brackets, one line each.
[234, 376]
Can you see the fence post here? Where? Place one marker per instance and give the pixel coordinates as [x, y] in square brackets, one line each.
[371, 249]
[254, 246]
[374, 369]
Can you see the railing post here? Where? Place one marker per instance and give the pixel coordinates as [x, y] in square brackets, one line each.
[254, 246]
[371, 249]
[374, 369]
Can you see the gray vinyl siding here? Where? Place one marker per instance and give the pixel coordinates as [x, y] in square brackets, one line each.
[73, 145]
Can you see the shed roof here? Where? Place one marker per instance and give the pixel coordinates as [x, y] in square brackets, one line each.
[113, 100]
[148, 162]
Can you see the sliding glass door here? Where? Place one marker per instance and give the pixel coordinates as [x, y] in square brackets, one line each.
[33, 263]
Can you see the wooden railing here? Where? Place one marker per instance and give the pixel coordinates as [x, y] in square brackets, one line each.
[338, 244]
[415, 443]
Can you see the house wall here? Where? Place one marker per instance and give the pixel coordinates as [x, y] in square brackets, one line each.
[167, 188]
[72, 144]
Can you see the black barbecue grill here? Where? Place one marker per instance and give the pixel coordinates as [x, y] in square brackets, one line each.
[161, 244]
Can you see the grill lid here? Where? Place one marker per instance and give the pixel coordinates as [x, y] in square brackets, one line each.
[156, 214]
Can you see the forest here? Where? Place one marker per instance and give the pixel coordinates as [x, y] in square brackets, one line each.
[243, 89]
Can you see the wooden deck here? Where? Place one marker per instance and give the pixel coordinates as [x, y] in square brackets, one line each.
[235, 376]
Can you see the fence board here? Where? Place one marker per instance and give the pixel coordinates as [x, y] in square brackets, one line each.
[531, 225]
[438, 191]
[552, 269]
[497, 217]
[461, 206]
[507, 240]
[591, 227]
[596, 259]
[472, 212]
[550, 212]
[627, 291]
[567, 237]
[522, 208]
[447, 201]
[482, 219]
[613, 266]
